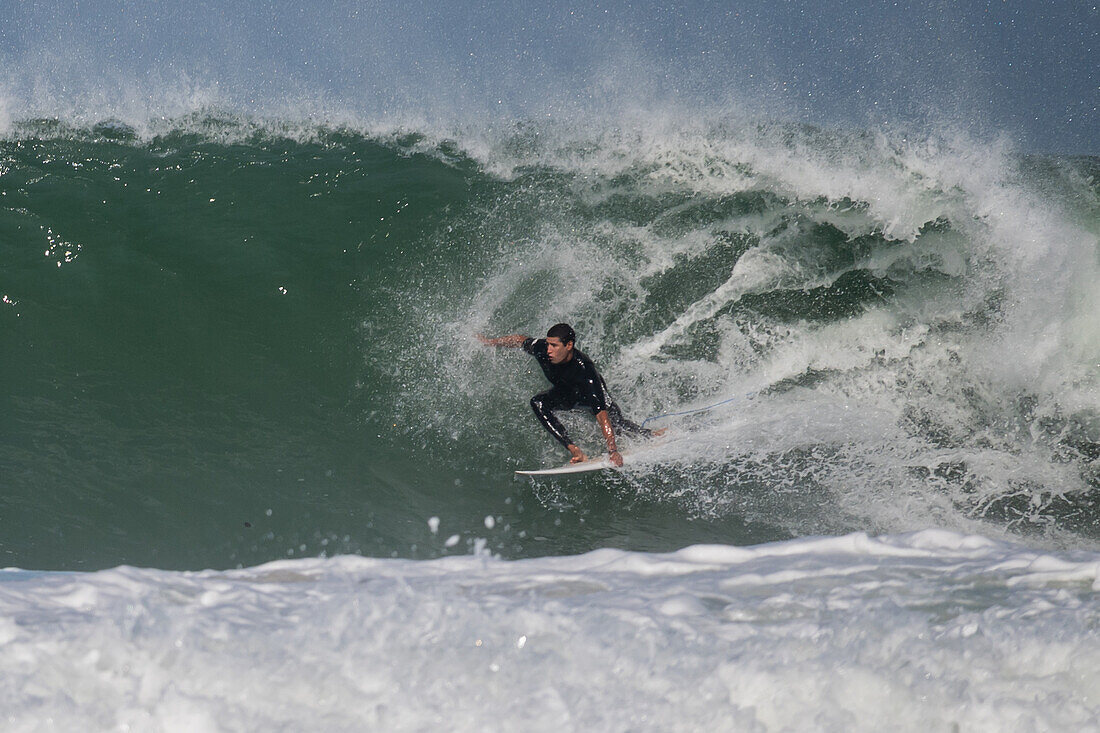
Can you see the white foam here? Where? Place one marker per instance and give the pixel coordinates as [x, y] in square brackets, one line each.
[914, 409]
[930, 630]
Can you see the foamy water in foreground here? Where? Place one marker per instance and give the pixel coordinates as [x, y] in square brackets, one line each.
[924, 631]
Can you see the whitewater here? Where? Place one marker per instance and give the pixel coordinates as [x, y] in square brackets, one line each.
[925, 631]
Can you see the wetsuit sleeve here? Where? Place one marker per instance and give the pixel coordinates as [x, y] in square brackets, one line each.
[592, 388]
[531, 345]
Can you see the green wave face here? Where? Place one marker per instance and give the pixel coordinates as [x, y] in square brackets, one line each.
[226, 342]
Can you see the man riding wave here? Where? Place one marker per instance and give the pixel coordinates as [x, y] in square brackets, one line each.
[576, 384]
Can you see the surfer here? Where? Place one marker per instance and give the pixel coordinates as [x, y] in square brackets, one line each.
[576, 384]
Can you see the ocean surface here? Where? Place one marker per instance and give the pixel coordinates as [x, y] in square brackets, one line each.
[256, 472]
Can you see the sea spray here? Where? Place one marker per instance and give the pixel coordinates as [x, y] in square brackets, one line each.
[887, 279]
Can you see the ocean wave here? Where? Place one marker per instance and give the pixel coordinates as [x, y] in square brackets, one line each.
[904, 321]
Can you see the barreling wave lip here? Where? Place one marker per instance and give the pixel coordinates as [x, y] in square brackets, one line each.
[922, 260]
[224, 127]
[713, 156]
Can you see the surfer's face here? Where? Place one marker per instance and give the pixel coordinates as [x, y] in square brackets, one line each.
[558, 351]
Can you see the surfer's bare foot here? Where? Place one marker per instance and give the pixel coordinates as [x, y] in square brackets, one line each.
[578, 456]
[660, 432]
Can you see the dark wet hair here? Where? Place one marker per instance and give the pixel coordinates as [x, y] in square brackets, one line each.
[562, 331]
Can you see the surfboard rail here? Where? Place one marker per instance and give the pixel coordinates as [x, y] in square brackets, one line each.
[583, 467]
[636, 454]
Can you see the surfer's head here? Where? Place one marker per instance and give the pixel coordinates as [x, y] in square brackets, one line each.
[559, 342]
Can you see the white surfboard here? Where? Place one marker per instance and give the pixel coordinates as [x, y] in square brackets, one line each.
[597, 465]
[633, 456]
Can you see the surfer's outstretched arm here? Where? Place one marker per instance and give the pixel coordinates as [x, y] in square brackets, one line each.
[512, 341]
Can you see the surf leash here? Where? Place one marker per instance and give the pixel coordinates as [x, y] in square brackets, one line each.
[698, 409]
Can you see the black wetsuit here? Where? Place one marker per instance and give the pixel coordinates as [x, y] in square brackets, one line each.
[576, 384]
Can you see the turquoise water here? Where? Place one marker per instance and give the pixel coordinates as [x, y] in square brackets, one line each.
[230, 340]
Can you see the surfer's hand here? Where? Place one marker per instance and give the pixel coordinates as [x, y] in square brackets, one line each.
[578, 455]
[616, 458]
